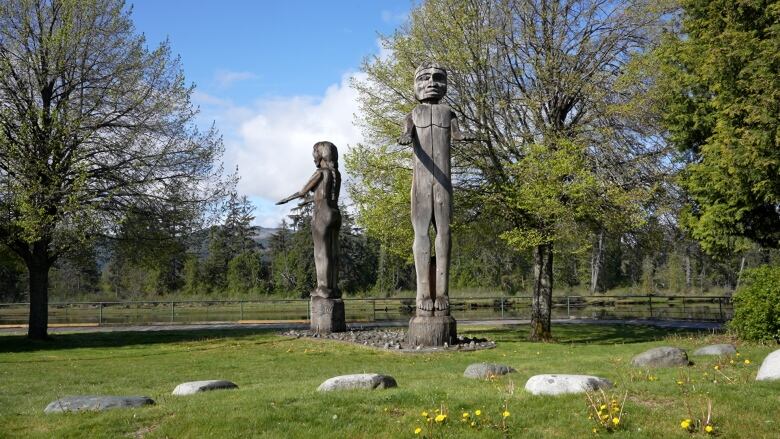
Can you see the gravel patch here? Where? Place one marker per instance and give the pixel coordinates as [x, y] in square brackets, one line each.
[391, 340]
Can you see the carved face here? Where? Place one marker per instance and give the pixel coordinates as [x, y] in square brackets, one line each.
[317, 157]
[430, 85]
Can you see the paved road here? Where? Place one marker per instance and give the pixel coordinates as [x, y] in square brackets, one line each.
[679, 324]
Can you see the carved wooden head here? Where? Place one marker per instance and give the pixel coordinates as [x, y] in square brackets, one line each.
[430, 82]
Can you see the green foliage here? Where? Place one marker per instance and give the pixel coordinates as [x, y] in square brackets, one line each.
[559, 195]
[720, 80]
[193, 277]
[13, 276]
[292, 257]
[358, 258]
[247, 274]
[382, 195]
[757, 305]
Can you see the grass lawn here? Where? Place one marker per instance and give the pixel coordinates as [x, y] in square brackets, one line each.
[278, 377]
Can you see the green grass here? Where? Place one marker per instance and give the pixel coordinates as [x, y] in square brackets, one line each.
[278, 376]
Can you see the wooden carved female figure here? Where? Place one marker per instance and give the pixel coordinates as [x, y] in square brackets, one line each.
[326, 221]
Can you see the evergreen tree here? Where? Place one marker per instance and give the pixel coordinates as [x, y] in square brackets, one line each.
[720, 84]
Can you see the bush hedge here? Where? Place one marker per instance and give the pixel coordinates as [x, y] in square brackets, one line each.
[757, 305]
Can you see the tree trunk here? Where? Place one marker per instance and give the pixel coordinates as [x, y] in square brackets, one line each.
[687, 269]
[739, 275]
[542, 298]
[38, 269]
[595, 263]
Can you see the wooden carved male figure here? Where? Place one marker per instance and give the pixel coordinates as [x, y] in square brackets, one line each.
[430, 128]
[326, 219]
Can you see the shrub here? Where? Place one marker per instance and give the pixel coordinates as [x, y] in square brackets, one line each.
[757, 305]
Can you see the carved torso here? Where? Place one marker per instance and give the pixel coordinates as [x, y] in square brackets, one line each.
[432, 141]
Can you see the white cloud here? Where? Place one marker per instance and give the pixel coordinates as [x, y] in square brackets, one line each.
[271, 141]
[226, 78]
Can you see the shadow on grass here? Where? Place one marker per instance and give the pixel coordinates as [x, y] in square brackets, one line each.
[115, 339]
[586, 334]
[563, 333]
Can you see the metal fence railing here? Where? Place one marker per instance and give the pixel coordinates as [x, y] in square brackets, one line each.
[694, 308]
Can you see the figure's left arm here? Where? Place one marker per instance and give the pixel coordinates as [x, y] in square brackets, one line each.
[457, 134]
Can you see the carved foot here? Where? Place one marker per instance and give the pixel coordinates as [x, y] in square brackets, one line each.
[425, 304]
[322, 292]
[442, 303]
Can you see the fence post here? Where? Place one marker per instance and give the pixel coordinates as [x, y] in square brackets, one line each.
[502, 308]
[650, 304]
[720, 308]
[568, 308]
[241, 304]
[173, 311]
[373, 310]
[100, 314]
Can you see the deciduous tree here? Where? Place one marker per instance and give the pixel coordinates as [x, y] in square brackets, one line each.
[91, 123]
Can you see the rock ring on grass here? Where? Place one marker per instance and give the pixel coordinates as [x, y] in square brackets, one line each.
[364, 381]
[559, 384]
[392, 339]
[664, 356]
[770, 368]
[192, 387]
[486, 370]
[716, 349]
[96, 403]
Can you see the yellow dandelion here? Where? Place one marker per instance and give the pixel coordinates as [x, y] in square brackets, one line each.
[709, 429]
[679, 382]
[615, 421]
[716, 367]
[473, 423]
[424, 414]
[417, 430]
[685, 424]
[603, 407]
[747, 361]
[505, 414]
[731, 361]
[440, 418]
[738, 354]
[466, 415]
[595, 430]
[478, 412]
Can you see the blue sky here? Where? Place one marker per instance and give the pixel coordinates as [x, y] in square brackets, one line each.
[274, 78]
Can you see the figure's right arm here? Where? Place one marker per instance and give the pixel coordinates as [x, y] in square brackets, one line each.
[310, 186]
[406, 136]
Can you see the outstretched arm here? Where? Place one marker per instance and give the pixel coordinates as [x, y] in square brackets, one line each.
[310, 185]
[406, 136]
[459, 135]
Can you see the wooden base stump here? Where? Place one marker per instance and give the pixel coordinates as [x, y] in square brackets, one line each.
[327, 315]
[432, 331]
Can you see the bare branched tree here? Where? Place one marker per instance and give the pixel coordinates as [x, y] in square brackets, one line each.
[92, 124]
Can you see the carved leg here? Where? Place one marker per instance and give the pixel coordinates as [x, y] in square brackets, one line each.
[321, 262]
[421, 220]
[333, 257]
[442, 211]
